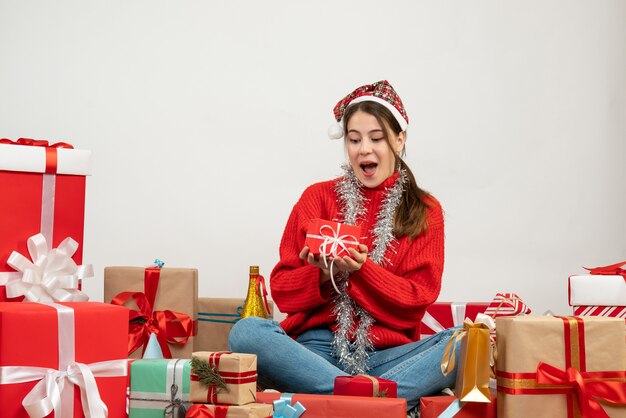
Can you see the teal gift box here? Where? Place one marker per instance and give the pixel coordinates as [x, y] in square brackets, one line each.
[159, 387]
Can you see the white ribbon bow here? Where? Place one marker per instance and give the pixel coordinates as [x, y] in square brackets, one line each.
[45, 397]
[51, 276]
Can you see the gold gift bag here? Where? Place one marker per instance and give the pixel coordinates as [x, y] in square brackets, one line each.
[472, 377]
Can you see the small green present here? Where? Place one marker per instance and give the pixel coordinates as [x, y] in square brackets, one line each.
[159, 387]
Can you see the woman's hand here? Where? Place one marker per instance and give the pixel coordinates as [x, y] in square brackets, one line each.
[317, 261]
[348, 263]
[353, 262]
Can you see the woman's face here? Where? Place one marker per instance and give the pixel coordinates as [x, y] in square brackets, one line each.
[371, 156]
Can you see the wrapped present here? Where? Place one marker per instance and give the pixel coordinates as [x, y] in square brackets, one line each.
[223, 377]
[216, 316]
[43, 190]
[251, 410]
[331, 239]
[443, 315]
[451, 406]
[603, 286]
[163, 302]
[159, 388]
[337, 406]
[363, 385]
[561, 367]
[610, 311]
[63, 358]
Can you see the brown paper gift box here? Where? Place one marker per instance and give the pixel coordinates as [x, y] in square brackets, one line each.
[251, 410]
[216, 317]
[524, 342]
[177, 291]
[238, 370]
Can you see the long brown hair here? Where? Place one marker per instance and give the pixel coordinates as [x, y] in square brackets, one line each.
[411, 216]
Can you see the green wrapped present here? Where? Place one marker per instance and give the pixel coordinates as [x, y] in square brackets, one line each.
[159, 387]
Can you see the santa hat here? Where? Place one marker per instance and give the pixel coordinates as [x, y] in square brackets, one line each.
[380, 92]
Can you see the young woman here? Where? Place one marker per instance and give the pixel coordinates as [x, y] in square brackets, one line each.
[367, 318]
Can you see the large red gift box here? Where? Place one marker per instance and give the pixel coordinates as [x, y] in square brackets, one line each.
[43, 190]
[331, 239]
[41, 343]
[434, 406]
[362, 385]
[337, 406]
[443, 315]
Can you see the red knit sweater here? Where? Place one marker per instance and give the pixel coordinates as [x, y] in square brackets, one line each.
[396, 295]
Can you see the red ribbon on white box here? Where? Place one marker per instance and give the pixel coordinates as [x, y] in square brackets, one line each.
[54, 390]
[51, 276]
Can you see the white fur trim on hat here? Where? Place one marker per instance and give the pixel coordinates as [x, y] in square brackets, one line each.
[395, 112]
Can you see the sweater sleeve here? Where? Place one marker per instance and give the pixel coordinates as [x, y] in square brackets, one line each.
[294, 283]
[398, 296]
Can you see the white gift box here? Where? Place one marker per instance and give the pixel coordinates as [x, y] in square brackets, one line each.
[597, 290]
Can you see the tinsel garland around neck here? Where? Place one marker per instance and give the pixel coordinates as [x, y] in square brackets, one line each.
[353, 355]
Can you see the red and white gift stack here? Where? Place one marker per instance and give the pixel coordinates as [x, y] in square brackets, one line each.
[443, 315]
[602, 292]
[43, 191]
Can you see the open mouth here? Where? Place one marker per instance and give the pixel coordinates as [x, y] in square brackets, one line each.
[368, 168]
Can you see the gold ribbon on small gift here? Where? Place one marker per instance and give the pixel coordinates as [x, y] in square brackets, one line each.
[475, 358]
[376, 392]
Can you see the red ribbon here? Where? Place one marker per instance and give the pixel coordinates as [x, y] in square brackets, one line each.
[202, 411]
[586, 390]
[168, 326]
[51, 150]
[613, 269]
[260, 285]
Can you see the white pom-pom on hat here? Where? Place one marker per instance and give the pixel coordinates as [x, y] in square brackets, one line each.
[335, 130]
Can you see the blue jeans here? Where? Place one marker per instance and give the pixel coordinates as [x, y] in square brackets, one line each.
[306, 365]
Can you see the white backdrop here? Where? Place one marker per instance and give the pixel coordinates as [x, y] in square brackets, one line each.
[207, 119]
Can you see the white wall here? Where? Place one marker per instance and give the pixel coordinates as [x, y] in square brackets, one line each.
[207, 119]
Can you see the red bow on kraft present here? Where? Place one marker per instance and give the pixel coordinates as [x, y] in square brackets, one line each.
[200, 411]
[168, 326]
[51, 150]
[613, 269]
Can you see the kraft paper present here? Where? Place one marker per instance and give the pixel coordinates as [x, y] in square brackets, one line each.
[251, 410]
[536, 353]
[159, 387]
[216, 317]
[177, 291]
[338, 406]
[43, 191]
[237, 373]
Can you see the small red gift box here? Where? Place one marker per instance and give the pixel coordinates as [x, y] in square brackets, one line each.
[43, 190]
[72, 353]
[434, 406]
[362, 385]
[337, 406]
[331, 239]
